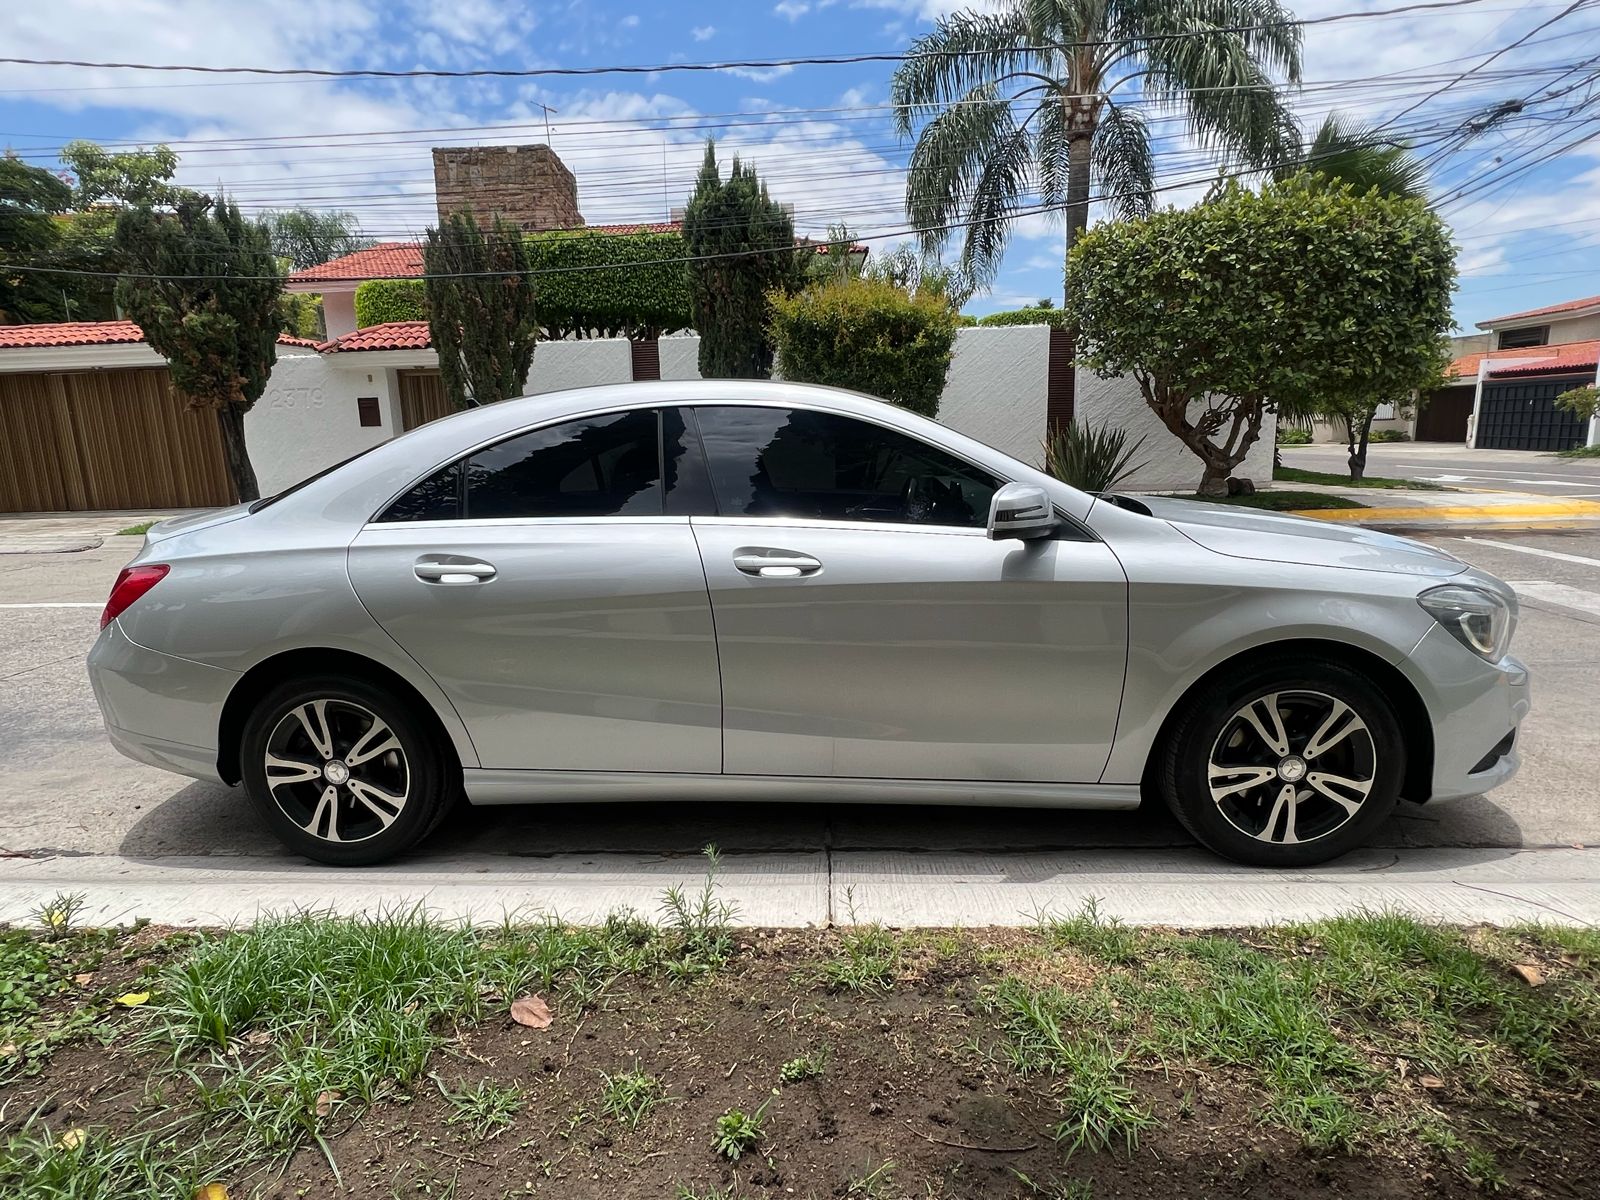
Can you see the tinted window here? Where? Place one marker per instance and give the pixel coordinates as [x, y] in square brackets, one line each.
[771, 462]
[595, 467]
[436, 498]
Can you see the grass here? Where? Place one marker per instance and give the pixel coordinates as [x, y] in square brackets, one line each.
[1580, 452]
[138, 530]
[486, 1109]
[1100, 937]
[737, 1132]
[809, 1065]
[866, 961]
[1339, 479]
[1280, 501]
[874, 1183]
[631, 1096]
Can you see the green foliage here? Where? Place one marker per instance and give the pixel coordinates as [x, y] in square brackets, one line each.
[869, 336]
[1091, 459]
[1033, 315]
[1293, 435]
[1581, 402]
[641, 292]
[1391, 435]
[300, 315]
[380, 301]
[486, 1108]
[24, 974]
[809, 1065]
[1007, 123]
[917, 271]
[203, 285]
[698, 924]
[480, 308]
[31, 200]
[630, 1096]
[868, 957]
[738, 1132]
[132, 177]
[1363, 156]
[308, 237]
[1298, 296]
[741, 246]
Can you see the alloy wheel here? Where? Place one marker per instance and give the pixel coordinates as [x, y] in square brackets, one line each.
[1292, 766]
[337, 770]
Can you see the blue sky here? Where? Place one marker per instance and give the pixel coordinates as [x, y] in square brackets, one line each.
[818, 134]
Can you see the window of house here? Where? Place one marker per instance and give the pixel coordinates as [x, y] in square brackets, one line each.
[1534, 335]
[773, 462]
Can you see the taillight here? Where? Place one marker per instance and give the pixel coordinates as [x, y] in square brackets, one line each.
[132, 583]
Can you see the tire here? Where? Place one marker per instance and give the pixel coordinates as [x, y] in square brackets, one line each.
[397, 786]
[1222, 775]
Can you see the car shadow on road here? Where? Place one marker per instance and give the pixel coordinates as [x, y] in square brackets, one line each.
[218, 823]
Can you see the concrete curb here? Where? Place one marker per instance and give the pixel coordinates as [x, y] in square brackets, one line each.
[1165, 887]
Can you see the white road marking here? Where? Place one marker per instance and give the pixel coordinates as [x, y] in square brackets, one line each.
[1557, 593]
[73, 604]
[1556, 554]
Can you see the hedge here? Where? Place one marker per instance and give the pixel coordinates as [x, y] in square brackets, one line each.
[379, 301]
[867, 335]
[1053, 317]
[647, 295]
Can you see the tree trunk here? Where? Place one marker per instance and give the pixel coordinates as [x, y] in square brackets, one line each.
[1213, 481]
[240, 469]
[1360, 432]
[1081, 118]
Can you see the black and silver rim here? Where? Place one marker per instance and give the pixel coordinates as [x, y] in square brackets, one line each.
[1292, 766]
[337, 770]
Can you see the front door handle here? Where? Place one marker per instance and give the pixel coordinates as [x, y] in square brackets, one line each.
[450, 568]
[768, 563]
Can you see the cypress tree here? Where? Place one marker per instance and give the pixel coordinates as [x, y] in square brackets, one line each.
[211, 311]
[741, 247]
[480, 308]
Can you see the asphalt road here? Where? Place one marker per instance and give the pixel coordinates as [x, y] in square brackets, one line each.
[1456, 466]
[65, 792]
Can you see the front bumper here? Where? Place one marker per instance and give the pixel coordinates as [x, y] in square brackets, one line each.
[1476, 707]
[159, 709]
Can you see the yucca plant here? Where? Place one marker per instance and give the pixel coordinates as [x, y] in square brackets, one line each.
[1091, 459]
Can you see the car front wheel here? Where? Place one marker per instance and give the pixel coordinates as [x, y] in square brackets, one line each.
[1284, 765]
[342, 771]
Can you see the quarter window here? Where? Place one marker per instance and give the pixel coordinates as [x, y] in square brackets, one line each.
[773, 462]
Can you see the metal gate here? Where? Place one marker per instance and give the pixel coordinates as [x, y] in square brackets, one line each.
[106, 440]
[1522, 415]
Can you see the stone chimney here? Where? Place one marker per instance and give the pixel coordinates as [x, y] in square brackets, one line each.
[527, 185]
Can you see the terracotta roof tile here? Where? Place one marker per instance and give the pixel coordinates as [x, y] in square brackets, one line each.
[288, 339]
[1571, 356]
[1548, 310]
[385, 260]
[1466, 366]
[70, 333]
[396, 335]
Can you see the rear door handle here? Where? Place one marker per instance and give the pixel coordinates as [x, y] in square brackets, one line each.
[450, 568]
[774, 564]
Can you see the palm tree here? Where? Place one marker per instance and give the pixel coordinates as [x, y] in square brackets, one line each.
[1345, 151]
[1031, 102]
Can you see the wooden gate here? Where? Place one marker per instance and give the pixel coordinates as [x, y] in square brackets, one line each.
[106, 440]
[422, 398]
[1444, 417]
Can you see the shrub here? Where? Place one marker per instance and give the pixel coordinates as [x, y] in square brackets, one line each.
[1390, 435]
[647, 295]
[870, 336]
[1581, 402]
[300, 315]
[379, 301]
[1032, 315]
[1091, 459]
[1289, 435]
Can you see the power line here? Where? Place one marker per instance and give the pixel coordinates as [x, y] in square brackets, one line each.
[741, 64]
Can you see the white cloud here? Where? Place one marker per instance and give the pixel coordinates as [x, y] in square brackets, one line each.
[792, 9]
[631, 21]
[761, 74]
[703, 33]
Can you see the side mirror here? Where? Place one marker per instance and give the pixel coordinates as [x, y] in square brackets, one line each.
[1021, 510]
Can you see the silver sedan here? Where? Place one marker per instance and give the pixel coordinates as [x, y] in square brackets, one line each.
[753, 590]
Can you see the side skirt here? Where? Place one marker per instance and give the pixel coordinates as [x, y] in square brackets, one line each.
[559, 787]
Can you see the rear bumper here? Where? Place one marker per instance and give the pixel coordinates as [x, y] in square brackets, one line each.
[159, 709]
[1476, 708]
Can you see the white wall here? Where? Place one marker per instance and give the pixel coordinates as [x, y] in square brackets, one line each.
[339, 312]
[995, 390]
[307, 419]
[1576, 329]
[1170, 466]
[573, 364]
[680, 356]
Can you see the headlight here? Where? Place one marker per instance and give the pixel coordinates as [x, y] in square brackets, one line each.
[1477, 618]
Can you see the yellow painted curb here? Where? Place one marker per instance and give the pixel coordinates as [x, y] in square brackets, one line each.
[1546, 508]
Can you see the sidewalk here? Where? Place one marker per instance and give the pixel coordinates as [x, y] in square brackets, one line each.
[66, 533]
[1184, 887]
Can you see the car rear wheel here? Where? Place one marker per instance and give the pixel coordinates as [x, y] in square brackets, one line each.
[1284, 765]
[343, 771]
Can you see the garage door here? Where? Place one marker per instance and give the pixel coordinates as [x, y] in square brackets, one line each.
[1523, 416]
[1444, 417]
[106, 440]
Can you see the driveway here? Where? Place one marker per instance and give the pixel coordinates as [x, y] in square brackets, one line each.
[75, 815]
[1456, 466]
